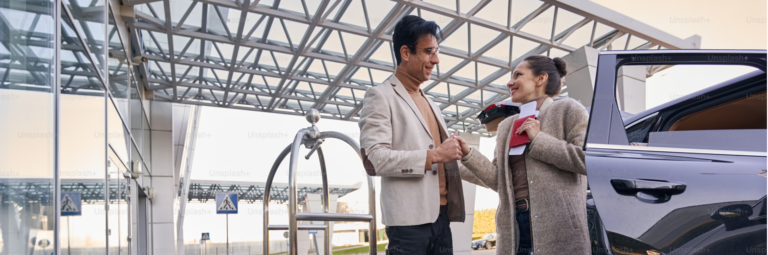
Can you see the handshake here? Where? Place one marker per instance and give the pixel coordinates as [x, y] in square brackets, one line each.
[452, 149]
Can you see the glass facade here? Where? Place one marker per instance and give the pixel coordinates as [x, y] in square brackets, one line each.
[75, 128]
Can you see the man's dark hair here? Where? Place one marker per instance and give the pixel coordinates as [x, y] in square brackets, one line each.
[408, 30]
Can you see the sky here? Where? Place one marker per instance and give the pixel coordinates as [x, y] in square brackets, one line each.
[240, 145]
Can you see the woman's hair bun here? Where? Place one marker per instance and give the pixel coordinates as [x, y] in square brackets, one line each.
[561, 66]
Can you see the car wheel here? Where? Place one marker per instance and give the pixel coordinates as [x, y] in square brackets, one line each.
[488, 245]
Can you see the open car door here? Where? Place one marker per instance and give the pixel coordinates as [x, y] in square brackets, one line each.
[677, 194]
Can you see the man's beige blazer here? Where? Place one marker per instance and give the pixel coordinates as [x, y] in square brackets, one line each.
[394, 140]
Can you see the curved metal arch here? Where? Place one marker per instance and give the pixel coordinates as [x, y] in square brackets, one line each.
[293, 150]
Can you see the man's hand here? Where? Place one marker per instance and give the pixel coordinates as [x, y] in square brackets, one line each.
[449, 151]
[464, 146]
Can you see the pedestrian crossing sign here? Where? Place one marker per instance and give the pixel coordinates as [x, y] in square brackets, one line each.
[206, 236]
[71, 204]
[226, 203]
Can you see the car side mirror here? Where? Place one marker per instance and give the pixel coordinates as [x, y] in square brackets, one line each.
[733, 216]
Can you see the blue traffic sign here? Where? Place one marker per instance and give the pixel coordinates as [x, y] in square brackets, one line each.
[226, 203]
[71, 204]
[206, 236]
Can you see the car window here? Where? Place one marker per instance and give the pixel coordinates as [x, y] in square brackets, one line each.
[717, 107]
[637, 131]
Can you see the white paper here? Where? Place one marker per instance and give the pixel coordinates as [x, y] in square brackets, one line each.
[527, 109]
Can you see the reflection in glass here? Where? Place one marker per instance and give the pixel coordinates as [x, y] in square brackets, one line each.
[90, 25]
[82, 170]
[146, 144]
[118, 137]
[26, 45]
[26, 135]
[78, 73]
[118, 207]
[137, 119]
[119, 66]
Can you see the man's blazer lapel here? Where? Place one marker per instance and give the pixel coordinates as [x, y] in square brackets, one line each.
[400, 91]
[439, 115]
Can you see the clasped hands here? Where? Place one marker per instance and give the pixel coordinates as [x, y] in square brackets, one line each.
[452, 149]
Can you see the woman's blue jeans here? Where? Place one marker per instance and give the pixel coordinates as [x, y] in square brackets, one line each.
[524, 230]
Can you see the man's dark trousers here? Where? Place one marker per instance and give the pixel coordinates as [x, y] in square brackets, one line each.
[425, 239]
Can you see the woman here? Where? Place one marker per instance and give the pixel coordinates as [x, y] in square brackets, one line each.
[542, 193]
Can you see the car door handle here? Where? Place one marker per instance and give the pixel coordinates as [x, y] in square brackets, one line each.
[632, 186]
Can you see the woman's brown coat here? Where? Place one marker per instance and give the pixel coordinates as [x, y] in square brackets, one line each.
[557, 181]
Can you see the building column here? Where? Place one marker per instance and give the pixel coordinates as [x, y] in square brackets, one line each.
[630, 84]
[580, 81]
[462, 231]
[161, 223]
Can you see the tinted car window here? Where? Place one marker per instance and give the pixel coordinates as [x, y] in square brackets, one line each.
[638, 132]
[687, 106]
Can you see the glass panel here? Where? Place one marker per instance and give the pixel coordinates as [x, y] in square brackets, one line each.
[124, 212]
[27, 33]
[26, 45]
[137, 164]
[82, 171]
[119, 84]
[118, 208]
[26, 171]
[137, 119]
[117, 136]
[146, 152]
[88, 20]
[78, 74]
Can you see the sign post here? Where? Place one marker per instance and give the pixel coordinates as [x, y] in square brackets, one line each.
[226, 203]
[71, 205]
[206, 236]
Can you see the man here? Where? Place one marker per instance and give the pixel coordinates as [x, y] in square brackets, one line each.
[405, 141]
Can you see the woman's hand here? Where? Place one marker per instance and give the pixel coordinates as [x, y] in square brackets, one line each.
[531, 126]
[464, 146]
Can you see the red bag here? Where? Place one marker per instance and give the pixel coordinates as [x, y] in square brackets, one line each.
[521, 139]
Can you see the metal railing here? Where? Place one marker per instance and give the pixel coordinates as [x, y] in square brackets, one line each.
[312, 139]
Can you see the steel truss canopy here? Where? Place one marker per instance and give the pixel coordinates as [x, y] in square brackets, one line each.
[291, 55]
[204, 191]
